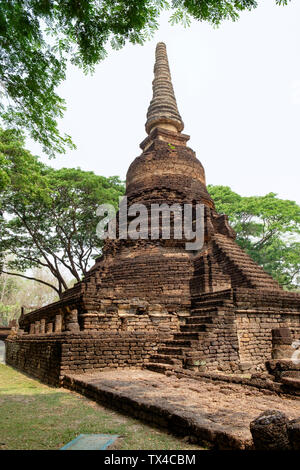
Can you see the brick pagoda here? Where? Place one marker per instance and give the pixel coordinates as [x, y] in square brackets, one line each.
[151, 303]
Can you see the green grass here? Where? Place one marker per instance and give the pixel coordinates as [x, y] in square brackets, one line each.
[36, 416]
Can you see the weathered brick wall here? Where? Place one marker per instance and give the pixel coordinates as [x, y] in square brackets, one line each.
[96, 351]
[217, 345]
[49, 359]
[114, 322]
[38, 357]
[222, 352]
[159, 275]
[257, 313]
[215, 312]
[255, 333]
[134, 315]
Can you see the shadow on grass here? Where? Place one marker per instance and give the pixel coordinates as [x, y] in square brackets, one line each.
[37, 416]
[49, 421]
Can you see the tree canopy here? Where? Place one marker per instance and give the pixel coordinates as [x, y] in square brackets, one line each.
[39, 37]
[49, 216]
[17, 294]
[268, 228]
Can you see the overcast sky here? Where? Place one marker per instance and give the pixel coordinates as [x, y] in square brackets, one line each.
[237, 89]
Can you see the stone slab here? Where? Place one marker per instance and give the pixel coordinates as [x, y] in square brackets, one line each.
[216, 414]
[91, 442]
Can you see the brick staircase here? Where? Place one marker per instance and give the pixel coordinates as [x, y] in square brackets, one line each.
[243, 271]
[186, 347]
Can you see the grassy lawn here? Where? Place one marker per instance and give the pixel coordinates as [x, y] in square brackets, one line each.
[36, 416]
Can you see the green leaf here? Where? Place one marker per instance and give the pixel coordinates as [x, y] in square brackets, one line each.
[268, 228]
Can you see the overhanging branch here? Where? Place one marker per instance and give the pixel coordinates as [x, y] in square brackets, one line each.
[32, 279]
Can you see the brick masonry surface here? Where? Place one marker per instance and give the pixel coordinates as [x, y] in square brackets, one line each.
[48, 359]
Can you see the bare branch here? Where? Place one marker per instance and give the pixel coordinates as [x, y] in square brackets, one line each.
[32, 279]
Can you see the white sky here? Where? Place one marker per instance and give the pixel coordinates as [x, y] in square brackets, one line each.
[237, 89]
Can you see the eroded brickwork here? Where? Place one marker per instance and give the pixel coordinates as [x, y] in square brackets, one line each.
[49, 358]
[37, 356]
[212, 308]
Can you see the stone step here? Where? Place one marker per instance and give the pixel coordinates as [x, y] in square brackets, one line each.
[172, 351]
[195, 336]
[210, 303]
[198, 320]
[166, 359]
[179, 343]
[204, 311]
[241, 259]
[158, 367]
[192, 328]
[291, 373]
[218, 295]
[291, 381]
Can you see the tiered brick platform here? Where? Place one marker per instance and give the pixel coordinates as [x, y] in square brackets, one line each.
[150, 302]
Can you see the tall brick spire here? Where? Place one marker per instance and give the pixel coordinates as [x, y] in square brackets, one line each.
[163, 111]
